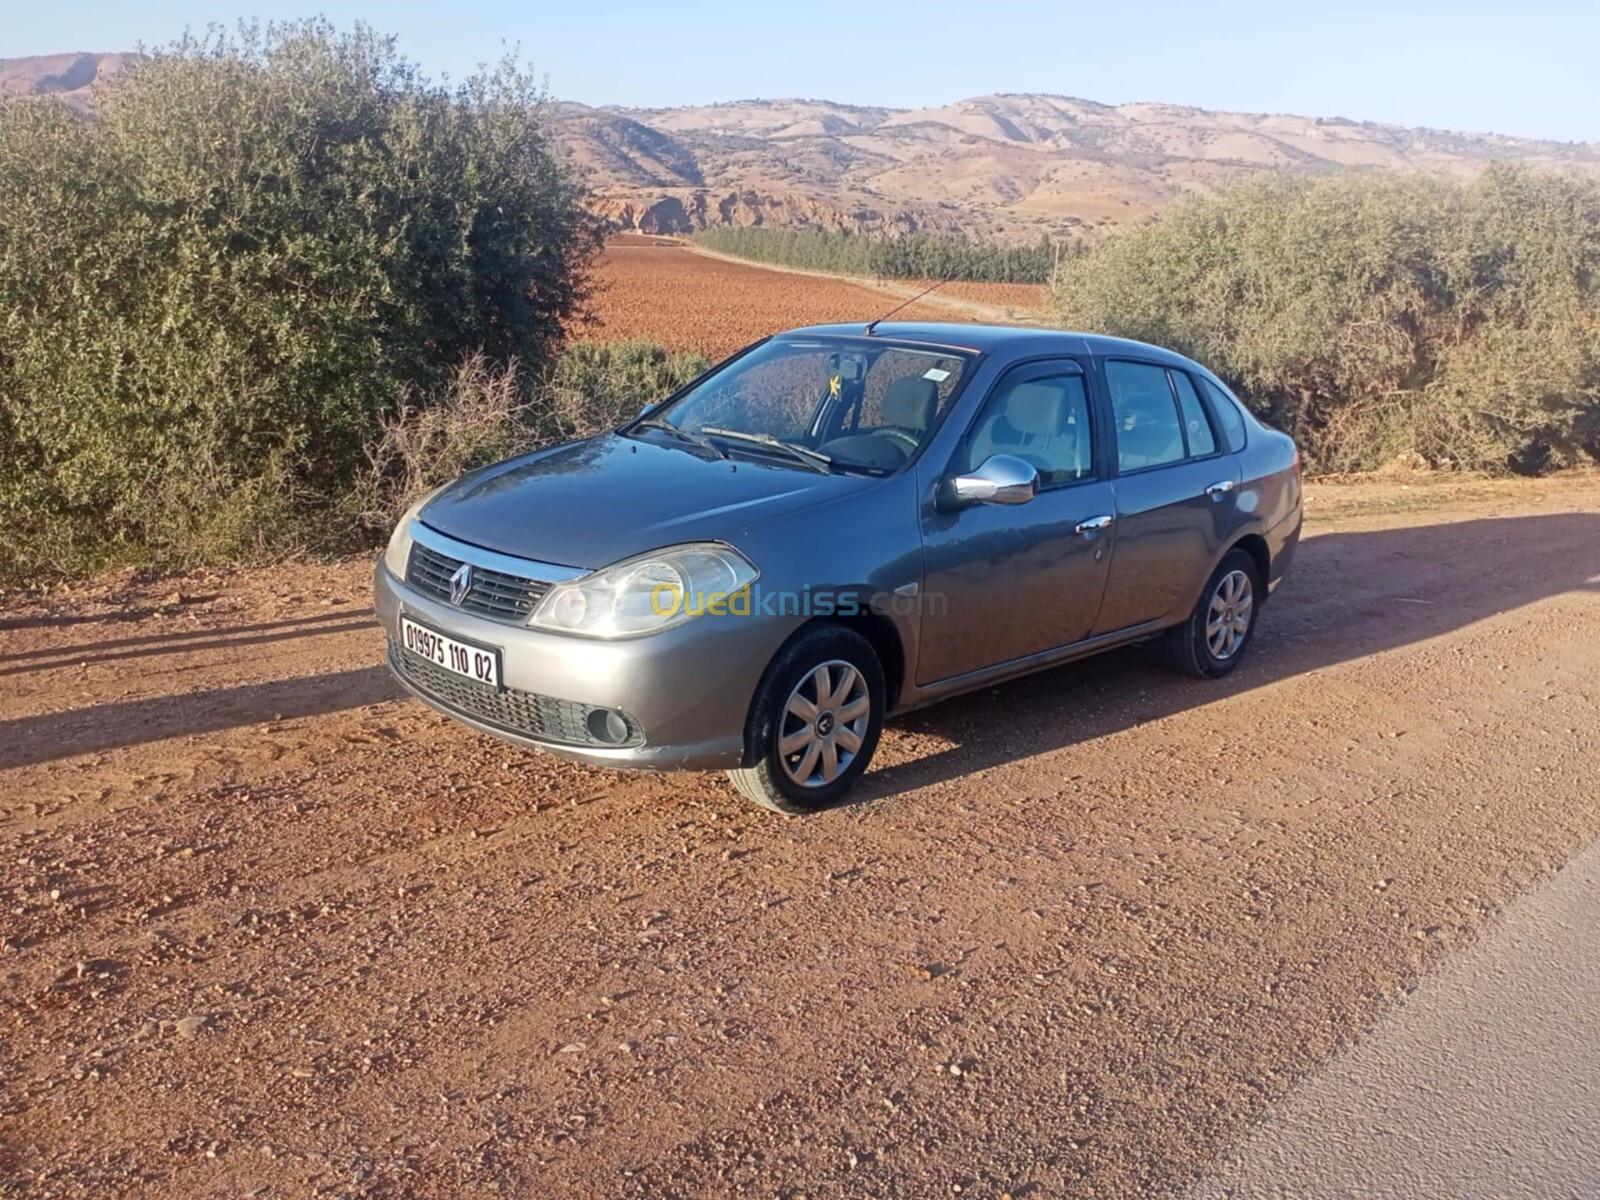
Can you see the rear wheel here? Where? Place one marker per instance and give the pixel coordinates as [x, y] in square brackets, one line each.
[1213, 640]
[815, 721]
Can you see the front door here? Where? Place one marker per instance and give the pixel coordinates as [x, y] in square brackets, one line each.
[1006, 581]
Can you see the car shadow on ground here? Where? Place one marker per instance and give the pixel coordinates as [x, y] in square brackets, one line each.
[63, 620]
[1349, 595]
[97, 649]
[183, 642]
[26, 741]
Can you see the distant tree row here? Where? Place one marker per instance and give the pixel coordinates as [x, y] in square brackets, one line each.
[907, 256]
[1378, 317]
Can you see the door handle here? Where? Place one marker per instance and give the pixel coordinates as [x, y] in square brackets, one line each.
[1220, 488]
[1094, 525]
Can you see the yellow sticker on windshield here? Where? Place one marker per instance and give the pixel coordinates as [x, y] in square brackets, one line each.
[833, 386]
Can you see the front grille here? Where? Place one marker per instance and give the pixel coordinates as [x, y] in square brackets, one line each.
[542, 717]
[494, 594]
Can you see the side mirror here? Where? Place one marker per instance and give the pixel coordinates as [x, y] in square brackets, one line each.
[1002, 479]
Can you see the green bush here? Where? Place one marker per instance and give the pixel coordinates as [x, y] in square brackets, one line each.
[1378, 317]
[212, 290]
[908, 256]
[595, 385]
[489, 412]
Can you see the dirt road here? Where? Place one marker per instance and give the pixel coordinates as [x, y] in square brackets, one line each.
[1484, 1085]
[271, 931]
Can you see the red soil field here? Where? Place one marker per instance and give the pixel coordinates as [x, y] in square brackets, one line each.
[657, 289]
[1030, 296]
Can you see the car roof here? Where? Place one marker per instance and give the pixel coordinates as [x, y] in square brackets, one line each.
[1019, 340]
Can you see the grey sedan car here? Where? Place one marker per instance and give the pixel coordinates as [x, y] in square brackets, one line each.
[836, 525]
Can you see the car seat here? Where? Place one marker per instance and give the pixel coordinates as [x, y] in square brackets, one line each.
[909, 405]
[1038, 423]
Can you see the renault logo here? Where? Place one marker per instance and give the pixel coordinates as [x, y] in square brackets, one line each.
[461, 584]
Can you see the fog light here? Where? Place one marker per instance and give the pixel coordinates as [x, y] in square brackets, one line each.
[608, 726]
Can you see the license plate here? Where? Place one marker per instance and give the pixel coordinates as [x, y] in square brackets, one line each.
[470, 662]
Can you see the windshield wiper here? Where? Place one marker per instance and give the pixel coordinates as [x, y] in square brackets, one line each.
[694, 439]
[814, 459]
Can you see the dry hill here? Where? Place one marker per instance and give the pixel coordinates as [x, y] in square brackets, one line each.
[1008, 165]
[69, 76]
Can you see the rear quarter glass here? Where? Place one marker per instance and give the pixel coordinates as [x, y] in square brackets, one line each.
[1196, 426]
[1229, 417]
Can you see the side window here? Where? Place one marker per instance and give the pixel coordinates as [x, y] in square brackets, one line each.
[1195, 425]
[1228, 416]
[1148, 432]
[1041, 419]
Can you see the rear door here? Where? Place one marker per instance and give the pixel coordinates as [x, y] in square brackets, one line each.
[1176, 491]
[1006, 581]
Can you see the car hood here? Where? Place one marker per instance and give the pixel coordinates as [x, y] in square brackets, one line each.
[588, 504]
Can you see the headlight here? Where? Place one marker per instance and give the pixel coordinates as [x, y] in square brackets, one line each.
[648, 593]
[400, 540]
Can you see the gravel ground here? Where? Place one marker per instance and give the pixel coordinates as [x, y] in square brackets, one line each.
[270, 930]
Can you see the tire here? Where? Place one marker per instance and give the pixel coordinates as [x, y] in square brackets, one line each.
[1198, 647]
[841, 667]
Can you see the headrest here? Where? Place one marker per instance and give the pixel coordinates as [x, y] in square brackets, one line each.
[1147, 444]
[1039, 408]
[1144, 407]
[910, 403]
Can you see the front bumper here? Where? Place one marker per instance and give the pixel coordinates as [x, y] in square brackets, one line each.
[687, 690]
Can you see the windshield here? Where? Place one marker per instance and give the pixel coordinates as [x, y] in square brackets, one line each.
[818, 404]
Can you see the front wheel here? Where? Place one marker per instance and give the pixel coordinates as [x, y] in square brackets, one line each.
[815, 721]
[1214, 638]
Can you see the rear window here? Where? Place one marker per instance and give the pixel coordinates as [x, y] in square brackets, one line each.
[1148, 431]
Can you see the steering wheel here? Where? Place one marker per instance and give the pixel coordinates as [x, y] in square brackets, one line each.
[906, 440]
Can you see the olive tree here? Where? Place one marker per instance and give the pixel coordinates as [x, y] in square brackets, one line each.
[213, 287]
[1378, 315]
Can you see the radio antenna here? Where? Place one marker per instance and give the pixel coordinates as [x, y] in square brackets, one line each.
[873, 324]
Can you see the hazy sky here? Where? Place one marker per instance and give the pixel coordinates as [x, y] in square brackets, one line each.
[1525, 69]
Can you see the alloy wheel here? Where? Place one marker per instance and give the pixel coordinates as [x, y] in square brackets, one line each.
[824, 722]
[1228, 618]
